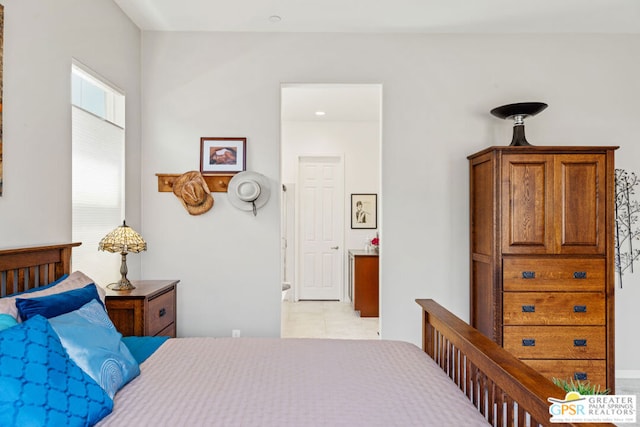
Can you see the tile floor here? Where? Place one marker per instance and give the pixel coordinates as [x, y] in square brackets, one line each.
[331, 319]
[326, 319]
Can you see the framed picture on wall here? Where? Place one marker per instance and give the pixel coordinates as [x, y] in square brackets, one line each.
[223, 155]
[364, 211]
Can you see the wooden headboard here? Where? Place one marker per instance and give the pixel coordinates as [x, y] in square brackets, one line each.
[32, 267]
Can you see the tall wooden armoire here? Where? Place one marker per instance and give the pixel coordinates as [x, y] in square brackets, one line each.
[542, 257]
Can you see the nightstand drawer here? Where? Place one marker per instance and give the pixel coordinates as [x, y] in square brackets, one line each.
[169, 331]
[555, 342]
[553, 308]
[162, 312]
[566, 274]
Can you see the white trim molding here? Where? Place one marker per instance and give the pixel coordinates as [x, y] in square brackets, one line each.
[627, 374]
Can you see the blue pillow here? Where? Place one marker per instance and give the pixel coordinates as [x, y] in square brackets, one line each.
[96, 346]
[54, 305]
[40, 385]
[7, 321]
[41, 288]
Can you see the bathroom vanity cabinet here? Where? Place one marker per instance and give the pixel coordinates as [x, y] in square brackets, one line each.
[363, 282]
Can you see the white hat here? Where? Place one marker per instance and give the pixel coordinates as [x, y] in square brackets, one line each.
[249, 191]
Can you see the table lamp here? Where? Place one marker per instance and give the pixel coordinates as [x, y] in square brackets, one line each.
[123, 239]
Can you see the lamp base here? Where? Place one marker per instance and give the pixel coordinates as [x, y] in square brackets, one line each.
[519, 139]
[121, 286]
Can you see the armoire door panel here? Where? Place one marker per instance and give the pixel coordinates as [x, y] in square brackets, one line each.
[526, 204]
[482, 202]
[580, 204]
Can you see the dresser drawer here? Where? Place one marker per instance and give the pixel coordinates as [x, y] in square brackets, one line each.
[594, 371]
[552, 274]
[553, 308]
[555, 342]
[162, 312]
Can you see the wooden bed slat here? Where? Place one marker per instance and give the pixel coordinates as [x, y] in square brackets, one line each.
[492, 392]
[469, 379]
[456, 366]
[496, 381]
[510, 420]
[501, 408]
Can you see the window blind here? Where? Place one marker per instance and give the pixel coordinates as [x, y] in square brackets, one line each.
[98, 191]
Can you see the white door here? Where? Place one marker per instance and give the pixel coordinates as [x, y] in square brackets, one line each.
[321, 215]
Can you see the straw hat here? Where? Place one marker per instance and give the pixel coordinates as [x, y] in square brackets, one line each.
[249, 191]
[193, 192]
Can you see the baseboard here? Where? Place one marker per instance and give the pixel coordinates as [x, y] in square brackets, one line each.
[627, 374]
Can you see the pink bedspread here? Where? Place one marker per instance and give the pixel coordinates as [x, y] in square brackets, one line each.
[290, 382]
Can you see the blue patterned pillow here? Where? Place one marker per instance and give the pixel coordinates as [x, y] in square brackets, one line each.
[54, 305]
[96, 346]
[40, 385]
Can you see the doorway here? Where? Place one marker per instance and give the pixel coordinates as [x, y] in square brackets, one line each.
[326, 122]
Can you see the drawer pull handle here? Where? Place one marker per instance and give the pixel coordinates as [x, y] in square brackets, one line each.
[579, 343]
[528, 274]
[528, 308]
[530, 342]
[579, 274]
[162, 312]
[579, 308]
[580, 376]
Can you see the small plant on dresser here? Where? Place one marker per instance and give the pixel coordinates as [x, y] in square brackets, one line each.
[583, 387]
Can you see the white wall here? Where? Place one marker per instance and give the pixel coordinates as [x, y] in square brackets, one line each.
[40, 39]
[437, 92]
[628, 296]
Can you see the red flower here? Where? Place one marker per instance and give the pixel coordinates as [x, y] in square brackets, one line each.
[375, 241]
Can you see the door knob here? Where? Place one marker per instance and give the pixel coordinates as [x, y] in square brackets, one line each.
[335, 247]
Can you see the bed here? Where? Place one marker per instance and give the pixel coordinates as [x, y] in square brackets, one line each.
[458, 378]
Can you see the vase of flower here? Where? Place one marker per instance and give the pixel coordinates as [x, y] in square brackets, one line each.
[375, 244]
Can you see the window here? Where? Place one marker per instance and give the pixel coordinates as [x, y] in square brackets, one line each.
[98, 178]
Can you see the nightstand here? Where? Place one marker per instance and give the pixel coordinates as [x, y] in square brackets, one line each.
[147, 310]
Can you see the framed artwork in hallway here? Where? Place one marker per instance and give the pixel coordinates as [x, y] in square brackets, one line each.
[364, 211]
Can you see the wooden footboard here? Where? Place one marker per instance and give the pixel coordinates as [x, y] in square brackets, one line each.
[505, 390]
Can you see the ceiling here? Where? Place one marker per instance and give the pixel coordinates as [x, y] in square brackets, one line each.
[387, 16]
